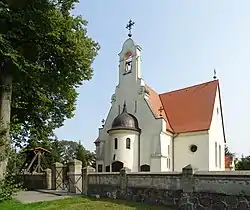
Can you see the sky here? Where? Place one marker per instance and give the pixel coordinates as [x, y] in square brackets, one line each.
[182, 42]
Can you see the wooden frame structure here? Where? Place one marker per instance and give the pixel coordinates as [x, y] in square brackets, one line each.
[34, 156]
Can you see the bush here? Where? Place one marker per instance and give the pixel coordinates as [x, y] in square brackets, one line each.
[8, 188]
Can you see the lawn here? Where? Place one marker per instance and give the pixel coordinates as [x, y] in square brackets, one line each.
[78, 203]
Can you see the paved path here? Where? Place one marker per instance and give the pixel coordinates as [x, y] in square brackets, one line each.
[35, 196]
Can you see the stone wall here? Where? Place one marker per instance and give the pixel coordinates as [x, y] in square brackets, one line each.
[186, 190]
[108, 184]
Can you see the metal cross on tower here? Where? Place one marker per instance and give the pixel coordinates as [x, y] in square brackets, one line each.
[129, 27]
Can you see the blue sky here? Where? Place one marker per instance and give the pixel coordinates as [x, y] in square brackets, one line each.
[182, 41]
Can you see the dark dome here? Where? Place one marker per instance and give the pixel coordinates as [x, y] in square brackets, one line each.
[125, 121]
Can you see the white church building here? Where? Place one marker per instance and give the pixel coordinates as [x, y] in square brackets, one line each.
[148, 131]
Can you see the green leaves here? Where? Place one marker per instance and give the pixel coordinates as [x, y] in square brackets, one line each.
[243, 163]
[50, 55]
[64, 151]
[88, 158]
[8, 188]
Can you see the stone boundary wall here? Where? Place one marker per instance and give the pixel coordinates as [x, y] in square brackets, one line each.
[186, 190]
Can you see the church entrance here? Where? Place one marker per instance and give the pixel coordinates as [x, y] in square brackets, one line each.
[117, 166]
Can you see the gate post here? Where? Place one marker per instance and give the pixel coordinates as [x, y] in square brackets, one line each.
[75, 176]
[48, 179]
[85, 179]
[57, 176]
[187, 184]
[123, 181]
[187, 181]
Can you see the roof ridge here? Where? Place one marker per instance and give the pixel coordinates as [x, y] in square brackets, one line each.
[204, 83]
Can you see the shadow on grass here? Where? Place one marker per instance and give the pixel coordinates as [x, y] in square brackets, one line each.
[137, 205]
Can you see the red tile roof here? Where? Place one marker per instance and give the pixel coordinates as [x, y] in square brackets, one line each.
[155, 105]
[185, 110]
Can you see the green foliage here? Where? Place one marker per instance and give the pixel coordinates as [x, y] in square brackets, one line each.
[88, 158]
[243, 163]
[68, 150]
[64, 151]
[48, 54]
[228, 152]
[55, 154]
[8, 188]
[16, 159]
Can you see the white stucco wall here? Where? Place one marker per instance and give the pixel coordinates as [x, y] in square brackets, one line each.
[156, 146]
[182, 154]
[129, 90]
[166, 151]
[216, 136]
[129, 157]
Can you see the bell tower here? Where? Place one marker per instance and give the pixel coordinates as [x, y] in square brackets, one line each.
[129, 60]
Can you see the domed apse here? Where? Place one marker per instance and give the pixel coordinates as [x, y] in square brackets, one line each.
[125, 121]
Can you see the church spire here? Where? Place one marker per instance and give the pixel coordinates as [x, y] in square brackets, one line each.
[129, 27]
[129, 61]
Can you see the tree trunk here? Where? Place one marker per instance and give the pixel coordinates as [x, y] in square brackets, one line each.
[5, 109]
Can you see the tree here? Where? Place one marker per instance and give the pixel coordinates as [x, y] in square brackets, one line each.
[45, 54]
[55, 153]
[16, 160]
[227, 151]
[65, 150]
[88, 158]
[68, 150]
[243, 163]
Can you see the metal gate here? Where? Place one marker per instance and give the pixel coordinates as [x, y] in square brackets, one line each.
[61, 182]
[67, 182]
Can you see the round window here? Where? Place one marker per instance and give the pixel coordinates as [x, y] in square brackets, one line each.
[193, 148]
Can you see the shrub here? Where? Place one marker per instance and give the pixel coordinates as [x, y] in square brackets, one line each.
[8, 188]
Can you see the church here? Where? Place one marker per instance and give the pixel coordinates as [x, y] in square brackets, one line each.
[160, 132]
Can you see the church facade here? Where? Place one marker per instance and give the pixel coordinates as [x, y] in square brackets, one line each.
[148, 131]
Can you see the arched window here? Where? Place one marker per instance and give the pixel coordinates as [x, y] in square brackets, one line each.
[145, 168]
[116, 143]
[128, 143]
[117, 166]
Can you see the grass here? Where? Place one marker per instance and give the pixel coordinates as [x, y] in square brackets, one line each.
[79, 203]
